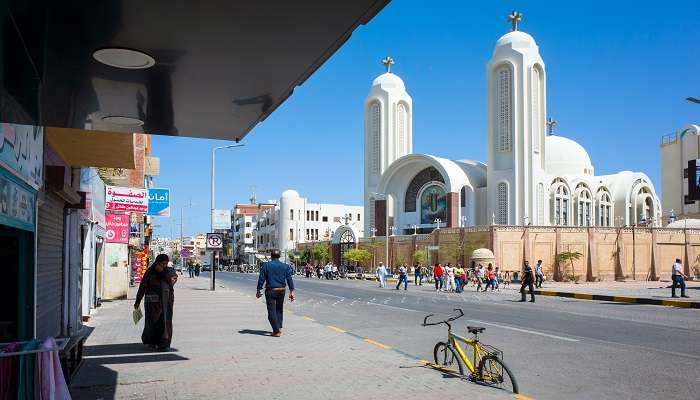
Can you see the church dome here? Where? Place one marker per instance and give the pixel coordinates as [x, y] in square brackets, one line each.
[517, 39]
[290, 194]
[566, 157]
[389, 80]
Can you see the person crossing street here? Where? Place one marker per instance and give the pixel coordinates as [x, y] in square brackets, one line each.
[539, 274]
[528, 280]
[403, 277]
[381, 274]
[275, 276]
[678, 278]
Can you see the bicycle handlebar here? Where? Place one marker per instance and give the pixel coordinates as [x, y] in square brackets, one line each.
[447, 321]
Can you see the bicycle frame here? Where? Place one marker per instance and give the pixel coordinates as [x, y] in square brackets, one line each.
[477, 351]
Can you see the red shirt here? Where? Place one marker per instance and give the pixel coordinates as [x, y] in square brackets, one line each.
[491, 274]
[437, 271]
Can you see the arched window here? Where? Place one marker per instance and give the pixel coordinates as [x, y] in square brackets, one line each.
[429, 174]
[401, 127]
[502, 203]
[604, 208]
[540, 204]
[463, 197]
[433, 204]
[504, 109]
[583, 206]
[375, 121]
[560, 203]
[536, 108]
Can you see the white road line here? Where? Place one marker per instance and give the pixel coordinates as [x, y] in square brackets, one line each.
[388, 299]
[397, 308]
[525, 331]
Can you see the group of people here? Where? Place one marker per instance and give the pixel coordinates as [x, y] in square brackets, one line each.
[328, 271]
[193, 270]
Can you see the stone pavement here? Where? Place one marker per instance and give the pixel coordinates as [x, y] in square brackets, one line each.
[221, 351]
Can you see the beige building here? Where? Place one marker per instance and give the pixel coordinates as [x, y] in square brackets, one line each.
[676, 150]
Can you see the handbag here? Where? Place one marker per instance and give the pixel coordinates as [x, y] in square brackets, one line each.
[137, 315]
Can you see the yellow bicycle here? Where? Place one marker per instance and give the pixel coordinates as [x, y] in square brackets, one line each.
[485, 363]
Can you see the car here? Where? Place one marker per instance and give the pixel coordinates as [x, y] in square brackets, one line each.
[206, 268]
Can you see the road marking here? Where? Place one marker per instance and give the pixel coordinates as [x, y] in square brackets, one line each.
[335, 328]
[526, 331]
[388, 299]
[339, 301]
[523, 397]
[380, 345]
[583, 296]
[397, 308]
[624, 299]
[308, 318]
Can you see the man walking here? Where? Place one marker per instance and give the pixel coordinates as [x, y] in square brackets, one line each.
[381, 275]
[275, 275]
[539, 274]
[417, 277]
[527, 280]
[403, 277]
[678, 278]
[437, 275]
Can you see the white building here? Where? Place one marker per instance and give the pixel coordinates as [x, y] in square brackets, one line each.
[531, 177]
[677, 150]
[295, 220]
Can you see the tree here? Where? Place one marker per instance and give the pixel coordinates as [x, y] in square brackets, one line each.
[420, 256]
[320, 252]
[570, 256]
[359, 256]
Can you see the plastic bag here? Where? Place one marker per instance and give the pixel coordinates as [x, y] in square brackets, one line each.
[137, 315]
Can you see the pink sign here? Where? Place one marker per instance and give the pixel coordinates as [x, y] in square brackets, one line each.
[117, 228]
[126, 199]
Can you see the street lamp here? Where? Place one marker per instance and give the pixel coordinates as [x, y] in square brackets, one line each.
[213, 187]
[373, 230]
[392, 229]
[437, 222]
[415, 229]
[464, 221]
[672, 217]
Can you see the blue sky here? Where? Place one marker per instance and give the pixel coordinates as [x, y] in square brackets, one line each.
[617, 77]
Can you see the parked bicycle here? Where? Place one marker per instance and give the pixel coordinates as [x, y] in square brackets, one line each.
[484, 363]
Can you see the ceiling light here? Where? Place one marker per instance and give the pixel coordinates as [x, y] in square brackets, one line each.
[121, 120]
[124, 58]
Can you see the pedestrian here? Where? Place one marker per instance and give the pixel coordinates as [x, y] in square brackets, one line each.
[190, 270]
[403, 277]
[418, 276]
[480, 277]
[458, 272]
[437, 274]
[381, 274]
[423, 274]
[528, 280]
[334, 272]
[197, 269]
[490, 278]
[499, 278]
[307, 270]
[449, 276]
[327, 271]
[275, 276]
[157, 292]
[318, 271]
[539, 274]
[678, 278]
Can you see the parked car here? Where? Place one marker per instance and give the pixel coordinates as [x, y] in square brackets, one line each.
[206, 268]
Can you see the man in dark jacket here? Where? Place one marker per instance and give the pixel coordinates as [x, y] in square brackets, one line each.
[527, 280]
[275, 275]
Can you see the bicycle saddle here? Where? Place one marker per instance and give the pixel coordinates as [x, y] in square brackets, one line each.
[475, 329]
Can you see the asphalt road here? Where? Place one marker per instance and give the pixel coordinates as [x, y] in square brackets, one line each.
[557, 348]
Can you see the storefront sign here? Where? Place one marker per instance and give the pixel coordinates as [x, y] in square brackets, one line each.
[126, 199]
[221, 219]
[22, 152]
[159, 202]
[17, 203]
[117, 228]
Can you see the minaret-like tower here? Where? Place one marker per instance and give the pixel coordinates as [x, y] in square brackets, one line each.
[516, 123]
[388, 132]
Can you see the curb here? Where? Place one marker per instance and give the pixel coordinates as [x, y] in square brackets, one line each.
[621, 299]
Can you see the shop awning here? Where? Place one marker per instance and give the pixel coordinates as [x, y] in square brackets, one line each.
[85, 148]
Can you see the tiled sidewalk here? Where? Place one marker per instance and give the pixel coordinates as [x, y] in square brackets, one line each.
[220, 352]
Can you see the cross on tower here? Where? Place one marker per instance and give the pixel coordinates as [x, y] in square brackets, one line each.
[514, 18]
[388, 62]
[551, 123]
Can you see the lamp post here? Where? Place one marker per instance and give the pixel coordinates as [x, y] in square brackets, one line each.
[463, 218]
[415, 229]
[437, 222]
[213, 188]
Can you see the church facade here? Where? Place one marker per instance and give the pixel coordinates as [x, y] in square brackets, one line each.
[532, 177]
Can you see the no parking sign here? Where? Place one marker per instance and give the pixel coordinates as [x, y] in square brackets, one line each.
[215, 241]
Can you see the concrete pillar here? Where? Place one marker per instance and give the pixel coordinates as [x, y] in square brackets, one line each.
[452, 200]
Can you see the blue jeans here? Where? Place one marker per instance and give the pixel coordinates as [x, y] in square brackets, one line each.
[403, 278]
[458, 284]
[678, 281]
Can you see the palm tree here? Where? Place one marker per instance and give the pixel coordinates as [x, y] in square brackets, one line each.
[570, 256]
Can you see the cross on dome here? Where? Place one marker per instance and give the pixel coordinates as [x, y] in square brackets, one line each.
[551, 123]
[388, 62]
[514, 18]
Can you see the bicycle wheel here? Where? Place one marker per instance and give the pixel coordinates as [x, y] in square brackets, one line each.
[494, 372]
[446, 357]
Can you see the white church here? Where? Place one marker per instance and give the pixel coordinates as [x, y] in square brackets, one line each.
[533, 177]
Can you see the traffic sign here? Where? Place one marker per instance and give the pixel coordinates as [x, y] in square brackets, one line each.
[215, 241]
[185, 253]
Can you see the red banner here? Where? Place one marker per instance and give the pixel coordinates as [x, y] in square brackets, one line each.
[117, 228]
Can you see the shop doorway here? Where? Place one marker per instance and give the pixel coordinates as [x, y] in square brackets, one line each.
[16, 285]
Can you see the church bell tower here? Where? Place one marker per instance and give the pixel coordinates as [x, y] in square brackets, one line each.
[388, 132]
[516, 104]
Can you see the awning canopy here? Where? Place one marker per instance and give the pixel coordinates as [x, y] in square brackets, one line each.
[84, 148]
[201, 68]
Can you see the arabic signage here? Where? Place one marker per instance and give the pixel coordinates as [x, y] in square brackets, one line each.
[22, 152]
[117, 228]
[126, 199]
[159, 202]
[221, 219]
[17, 203]
[215, 241]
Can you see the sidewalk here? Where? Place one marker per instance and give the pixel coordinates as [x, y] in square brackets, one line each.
[220, 352]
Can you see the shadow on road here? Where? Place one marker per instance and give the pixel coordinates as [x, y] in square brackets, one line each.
[254, 332]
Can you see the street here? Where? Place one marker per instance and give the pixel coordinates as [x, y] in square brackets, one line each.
[557, 347]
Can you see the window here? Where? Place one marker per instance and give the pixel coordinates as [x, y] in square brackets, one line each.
[560, 206]
[540, 204]
[307, 215]
[536, 109]
[402, 122]
[307, 234]
[350, 216]
[374, 133]
[504, 109]
[604, 209]
[247, 235]
[291, 215]
[584, 207]
[325, 218]
[316, 234]
[685, 173]
[358, 217]
[316, 217]
[247, 224]
[502, 202]
[291, 234]
[463, 197]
